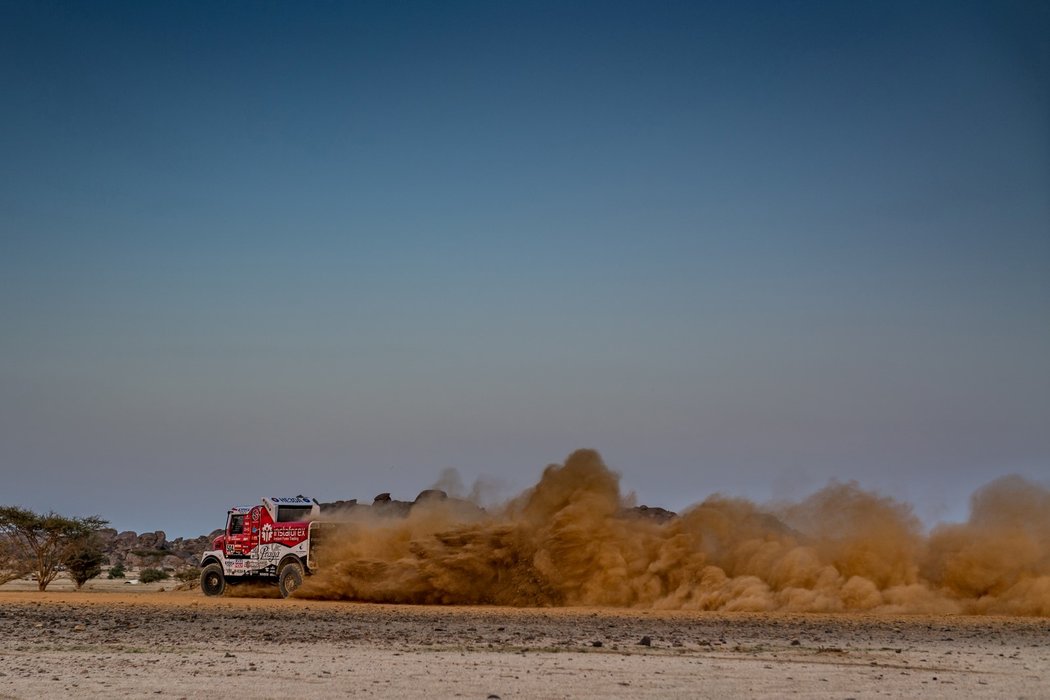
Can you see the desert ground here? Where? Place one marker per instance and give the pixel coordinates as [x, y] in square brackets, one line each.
[110, 641]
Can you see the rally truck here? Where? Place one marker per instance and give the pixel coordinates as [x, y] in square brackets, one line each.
[276, 542]
[269, 543]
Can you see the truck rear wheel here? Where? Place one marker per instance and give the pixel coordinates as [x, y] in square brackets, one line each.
[290, 578]
[213, 581]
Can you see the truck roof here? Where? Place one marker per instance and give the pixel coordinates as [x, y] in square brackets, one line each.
[292, 508]
[298, 508]
[290, 500]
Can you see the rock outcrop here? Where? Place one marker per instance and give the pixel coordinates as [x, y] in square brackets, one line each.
[152, 549]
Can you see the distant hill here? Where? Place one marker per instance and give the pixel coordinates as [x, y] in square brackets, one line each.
[153, 549]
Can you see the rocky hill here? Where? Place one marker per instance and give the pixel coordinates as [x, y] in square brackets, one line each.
[153, 549]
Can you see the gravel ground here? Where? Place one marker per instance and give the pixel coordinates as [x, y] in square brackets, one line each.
[181, 644]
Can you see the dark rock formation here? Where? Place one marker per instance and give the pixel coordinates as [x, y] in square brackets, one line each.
[153, 549]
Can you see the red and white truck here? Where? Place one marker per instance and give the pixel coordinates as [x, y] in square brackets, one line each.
[276, 542]
[271, 543]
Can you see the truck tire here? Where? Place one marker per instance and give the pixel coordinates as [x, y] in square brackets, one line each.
[290, 578]
[213, 581]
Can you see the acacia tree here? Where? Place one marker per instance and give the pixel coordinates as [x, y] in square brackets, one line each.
[83, 559]
[43, 540]
[12, 564]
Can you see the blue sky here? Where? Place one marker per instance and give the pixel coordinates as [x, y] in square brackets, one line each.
[272, 248]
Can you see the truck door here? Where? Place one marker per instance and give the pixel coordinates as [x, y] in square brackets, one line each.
[236, 537]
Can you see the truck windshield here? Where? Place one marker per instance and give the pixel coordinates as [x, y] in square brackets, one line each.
[236, 524]
[293, 514]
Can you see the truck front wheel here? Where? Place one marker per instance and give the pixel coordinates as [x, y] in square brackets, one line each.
[213, 581]
[290, 578]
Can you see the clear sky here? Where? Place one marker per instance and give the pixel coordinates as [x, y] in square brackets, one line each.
[259, 248]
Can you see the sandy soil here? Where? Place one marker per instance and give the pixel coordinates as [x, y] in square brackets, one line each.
[64, 585]
[181, 644]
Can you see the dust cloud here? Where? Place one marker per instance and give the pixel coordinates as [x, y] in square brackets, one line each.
[574, 540]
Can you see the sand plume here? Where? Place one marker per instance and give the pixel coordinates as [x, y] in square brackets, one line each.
[574, 540]
[999, 560]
